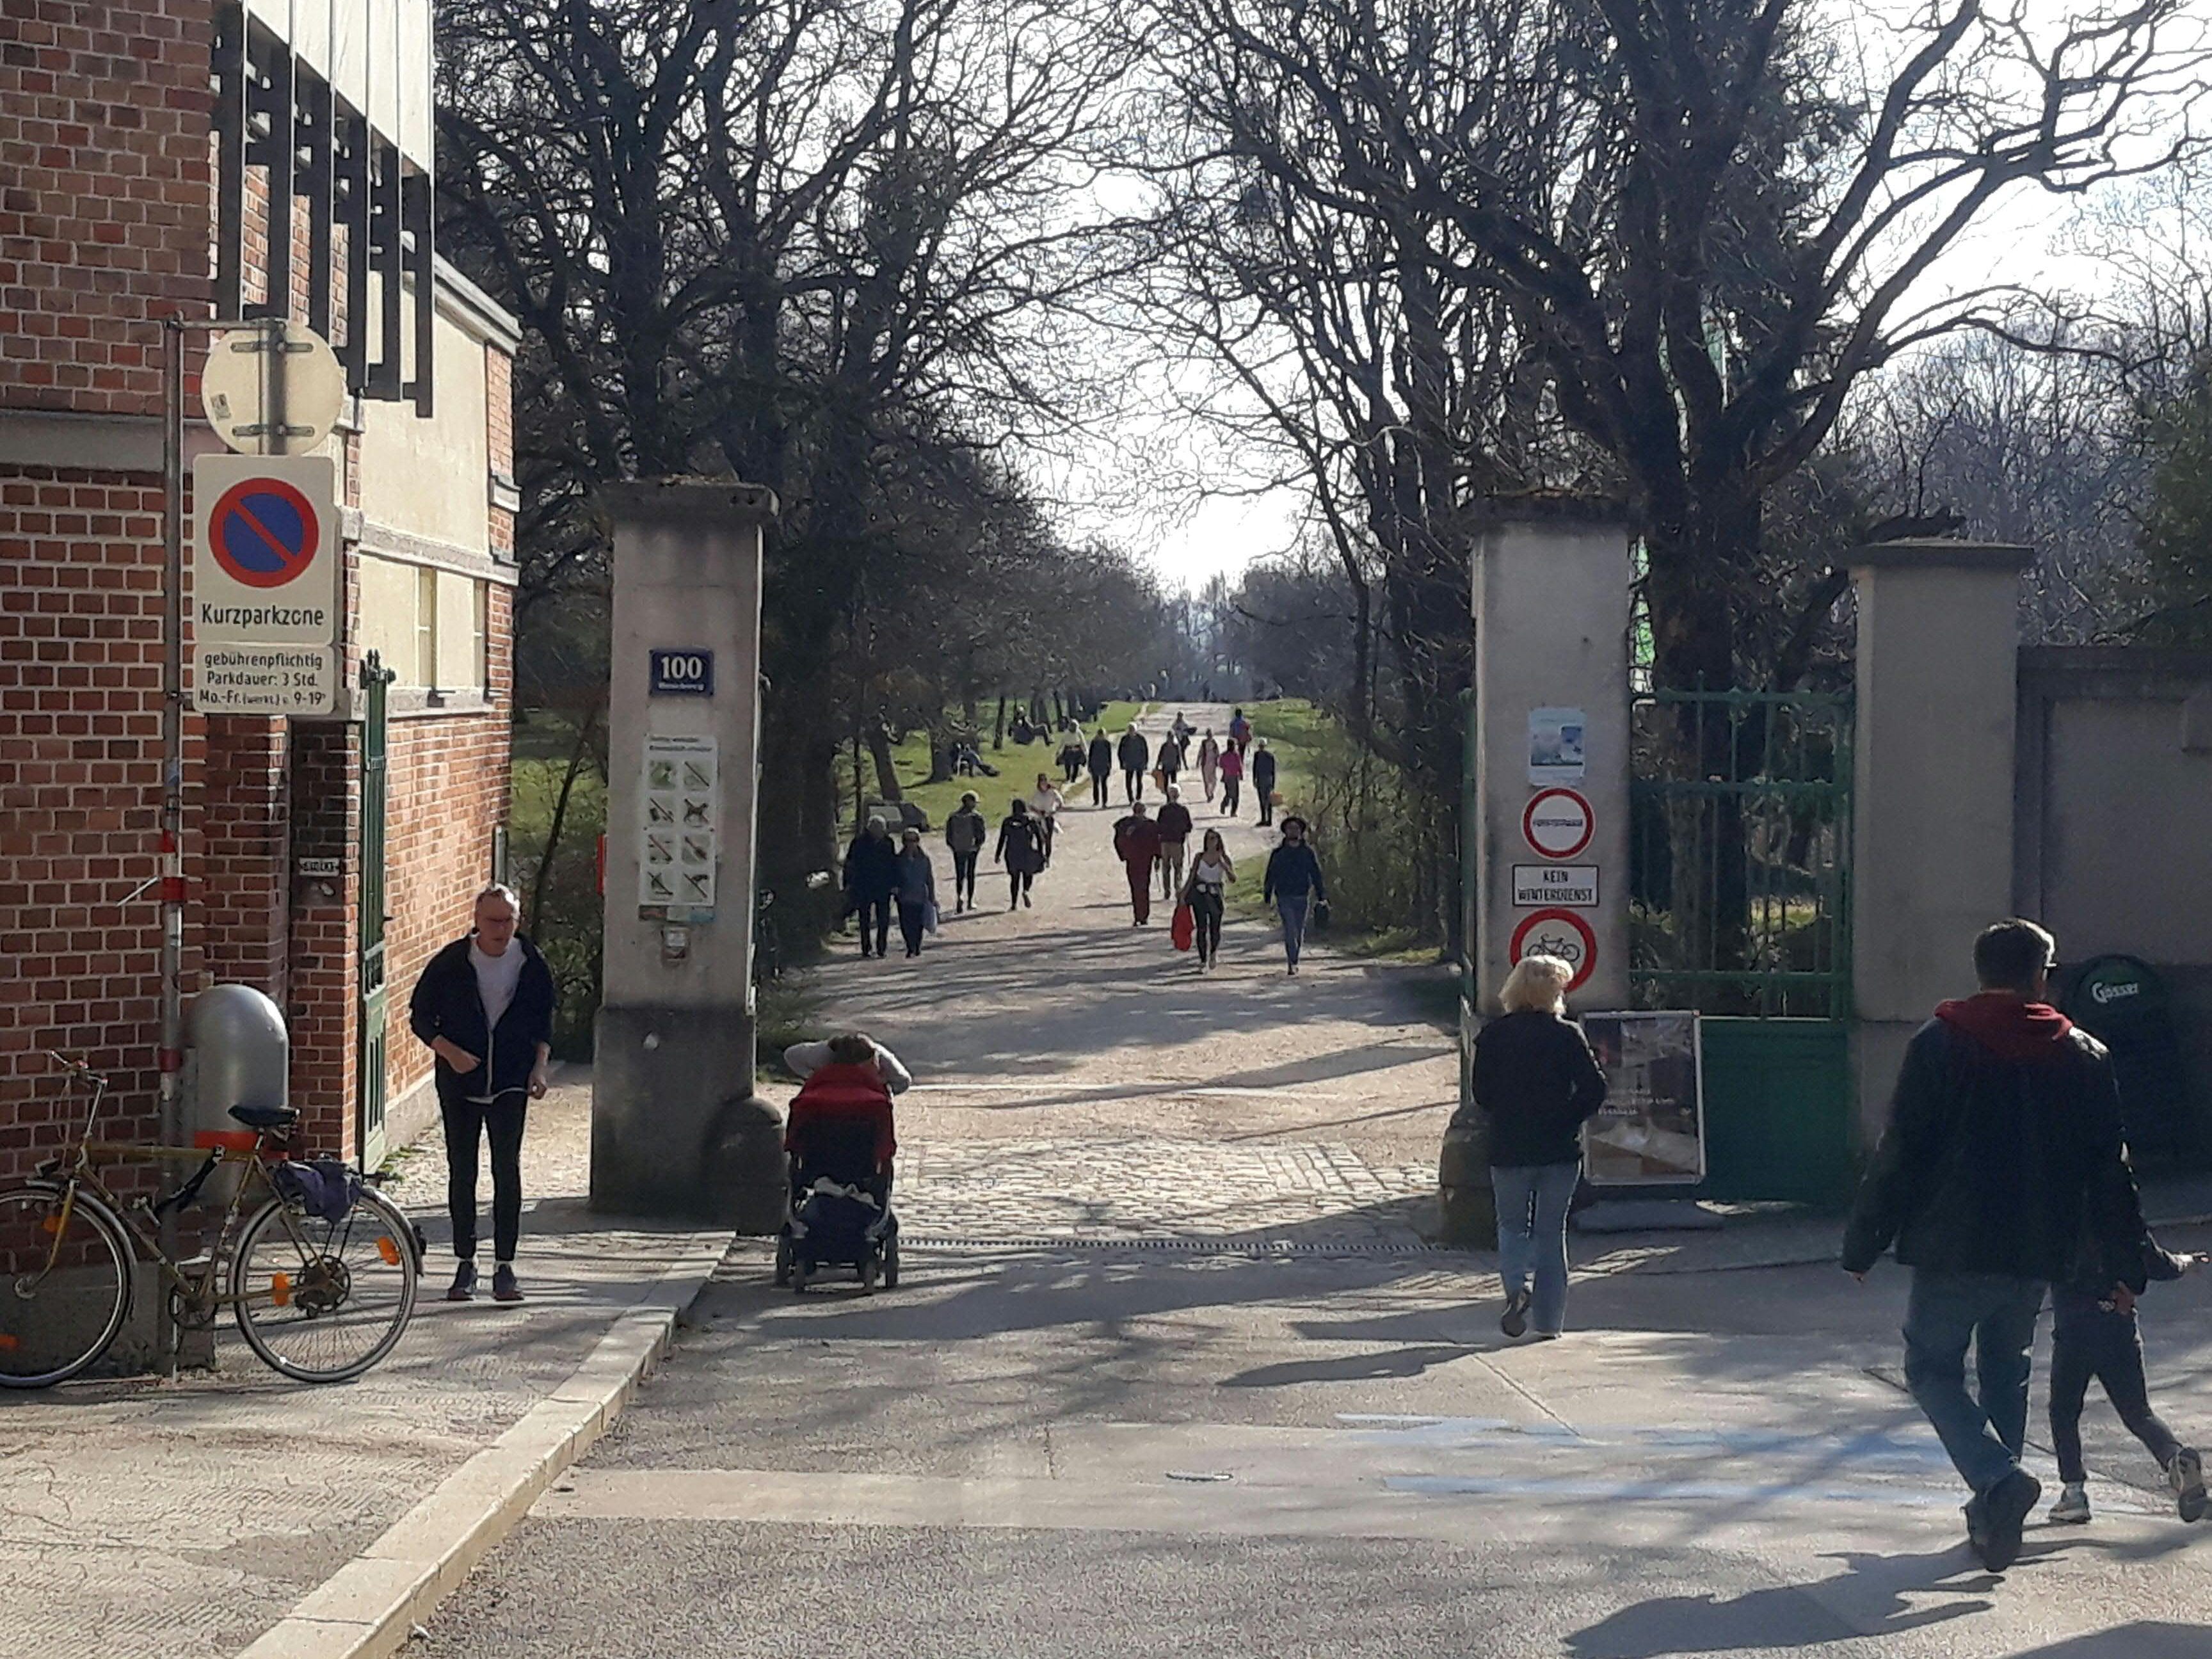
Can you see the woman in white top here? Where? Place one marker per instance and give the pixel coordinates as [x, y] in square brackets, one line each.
[1205, 892]
[1209, 765]
[1044, 802]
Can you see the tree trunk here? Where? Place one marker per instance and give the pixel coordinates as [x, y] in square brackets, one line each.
[577, 756]
[998, 736]
[879, 749]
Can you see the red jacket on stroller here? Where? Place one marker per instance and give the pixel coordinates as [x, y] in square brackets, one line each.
[837, 1099]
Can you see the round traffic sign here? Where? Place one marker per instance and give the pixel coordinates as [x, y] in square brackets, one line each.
[262, 532]
[272, 389]
[1559, 822]
[1561, 934]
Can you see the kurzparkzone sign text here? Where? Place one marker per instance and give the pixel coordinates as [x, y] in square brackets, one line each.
[266, 556]
[262, 615]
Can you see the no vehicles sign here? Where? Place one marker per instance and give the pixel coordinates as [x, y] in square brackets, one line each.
[266, 557]
[1561, 934]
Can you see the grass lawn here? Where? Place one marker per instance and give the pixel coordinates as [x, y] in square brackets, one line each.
[1017, 763]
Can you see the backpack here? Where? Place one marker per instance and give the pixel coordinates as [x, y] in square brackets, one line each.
[326, 1188]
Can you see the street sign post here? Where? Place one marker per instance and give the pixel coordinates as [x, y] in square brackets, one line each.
[265, 592]
[274, 388]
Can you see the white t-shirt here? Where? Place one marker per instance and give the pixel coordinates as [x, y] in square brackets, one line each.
[496, 978]
[1047, 802]
[1212, 877]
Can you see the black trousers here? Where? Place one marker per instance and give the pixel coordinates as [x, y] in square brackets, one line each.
[1231, 788]
[1018, 883]
[1074, 769]
[2108, 1348]
[912, 918]
[1265, 794]
[1206, 910]
[466, 1123]
[963, 875]
[1133, 780]
[875, 913]
[1098, 782]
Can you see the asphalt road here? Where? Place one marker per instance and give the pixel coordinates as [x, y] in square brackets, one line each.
[1135, 1442]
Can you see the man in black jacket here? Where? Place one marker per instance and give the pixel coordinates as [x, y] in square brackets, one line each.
[1100, 757]
[2002, 1154]
[1263, 780]
[870, 878]
[485, 1006]
[1136, 754]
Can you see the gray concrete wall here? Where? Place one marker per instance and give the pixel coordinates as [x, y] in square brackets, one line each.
[1551, 623]
[1932, 854]
[2112, 852]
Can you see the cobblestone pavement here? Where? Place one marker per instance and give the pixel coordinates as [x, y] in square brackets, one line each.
[144, 1519]
[1076, 1077]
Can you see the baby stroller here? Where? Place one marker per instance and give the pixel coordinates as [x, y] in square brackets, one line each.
[840, 1144]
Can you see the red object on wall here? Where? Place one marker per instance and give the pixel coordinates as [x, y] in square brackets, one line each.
[599, 863]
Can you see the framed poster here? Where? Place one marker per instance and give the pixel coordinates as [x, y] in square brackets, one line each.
[1651, 1130]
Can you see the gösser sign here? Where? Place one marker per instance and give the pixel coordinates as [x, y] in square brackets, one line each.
[266, 559]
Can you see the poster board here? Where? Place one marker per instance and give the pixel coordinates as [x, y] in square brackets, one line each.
[1651, 1130]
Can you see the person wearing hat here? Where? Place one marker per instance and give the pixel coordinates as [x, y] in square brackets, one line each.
[965, 832]
[870, 878]
[1294, 885]
[1173, 820]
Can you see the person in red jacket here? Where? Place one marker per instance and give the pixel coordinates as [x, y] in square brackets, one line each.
[1137, 844]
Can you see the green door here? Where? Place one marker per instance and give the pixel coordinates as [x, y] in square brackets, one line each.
[369, 1082]
[1740, 878]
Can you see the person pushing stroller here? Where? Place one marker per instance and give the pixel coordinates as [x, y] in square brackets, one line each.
[841, 1139]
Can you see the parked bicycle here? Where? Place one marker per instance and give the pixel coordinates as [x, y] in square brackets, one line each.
[317, 1266]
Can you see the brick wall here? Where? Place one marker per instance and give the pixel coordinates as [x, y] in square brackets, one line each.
[105, 199]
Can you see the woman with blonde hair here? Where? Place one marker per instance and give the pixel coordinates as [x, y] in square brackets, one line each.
[1537, 1082]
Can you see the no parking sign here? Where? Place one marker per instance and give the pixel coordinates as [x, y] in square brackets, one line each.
[265, 562]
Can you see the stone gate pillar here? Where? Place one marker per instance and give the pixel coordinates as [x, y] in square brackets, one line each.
[1932, 785]
[677, 1131]
[1545, 819]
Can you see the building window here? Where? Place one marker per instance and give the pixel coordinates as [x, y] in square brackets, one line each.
[426, 628]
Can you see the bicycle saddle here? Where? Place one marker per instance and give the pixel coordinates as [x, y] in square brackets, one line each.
[266, 1117]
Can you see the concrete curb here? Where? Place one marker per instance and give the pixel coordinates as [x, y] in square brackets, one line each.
[370, 1607]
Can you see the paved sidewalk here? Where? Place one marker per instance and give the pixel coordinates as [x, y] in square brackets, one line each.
[182, 1520]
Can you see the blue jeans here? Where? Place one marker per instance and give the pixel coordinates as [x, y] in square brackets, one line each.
[1531, 1233]
[1294, 922]
[1984, 1431]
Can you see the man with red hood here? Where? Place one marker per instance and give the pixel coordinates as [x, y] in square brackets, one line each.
[2003, 1154]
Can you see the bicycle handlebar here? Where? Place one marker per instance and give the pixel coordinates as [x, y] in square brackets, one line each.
[77, 1068]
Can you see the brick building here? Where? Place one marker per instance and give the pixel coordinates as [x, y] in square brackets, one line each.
[143, 174]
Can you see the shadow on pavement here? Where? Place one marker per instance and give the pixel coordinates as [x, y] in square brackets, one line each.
[2140, 1640]
[1874, 1587]
[1348, 1368]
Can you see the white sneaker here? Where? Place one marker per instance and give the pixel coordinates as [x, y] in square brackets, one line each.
[2072, 1508]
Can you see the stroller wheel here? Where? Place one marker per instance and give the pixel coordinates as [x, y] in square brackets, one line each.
[783, 1260]
[868, 1271]
[890, 1264]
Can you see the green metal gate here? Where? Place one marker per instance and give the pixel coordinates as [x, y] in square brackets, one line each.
[1740, 884]
[369, 1080]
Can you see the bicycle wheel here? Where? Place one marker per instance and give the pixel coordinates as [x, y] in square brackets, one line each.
[323, 1301]
[65, 1288]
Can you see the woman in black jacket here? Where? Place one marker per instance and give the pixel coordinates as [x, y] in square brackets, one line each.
[485, 1006]
[1538, 1082]
[1021, 849]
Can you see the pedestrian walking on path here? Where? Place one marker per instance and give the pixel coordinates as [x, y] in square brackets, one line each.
[1232, 777]
[1135, 754]
[2095, 1336]
[965, 832]
[1167, 761]
[1263, 780]
[1209, 765]
[917, 892]
[1045, 803]
[870, 878]
[1294, 885]
[1240, 731]
[1537, 1083]
[1174, 834]
[1206, 892]
[1021, 849]
[2003, 1152]
[1101, 766]
[1137, 844]
[1071, 758]
[485, 1006]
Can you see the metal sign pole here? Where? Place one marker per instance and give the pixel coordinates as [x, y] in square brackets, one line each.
[173, 782]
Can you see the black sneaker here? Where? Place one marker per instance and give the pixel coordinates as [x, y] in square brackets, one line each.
[2008, 1504]
[503, 1287]
[2185, 1474]
[1514, 1322]
[463, 1287]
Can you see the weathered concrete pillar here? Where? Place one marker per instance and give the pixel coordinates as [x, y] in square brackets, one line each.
[1545, 850]
[1932, 785]
[677, 1131]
